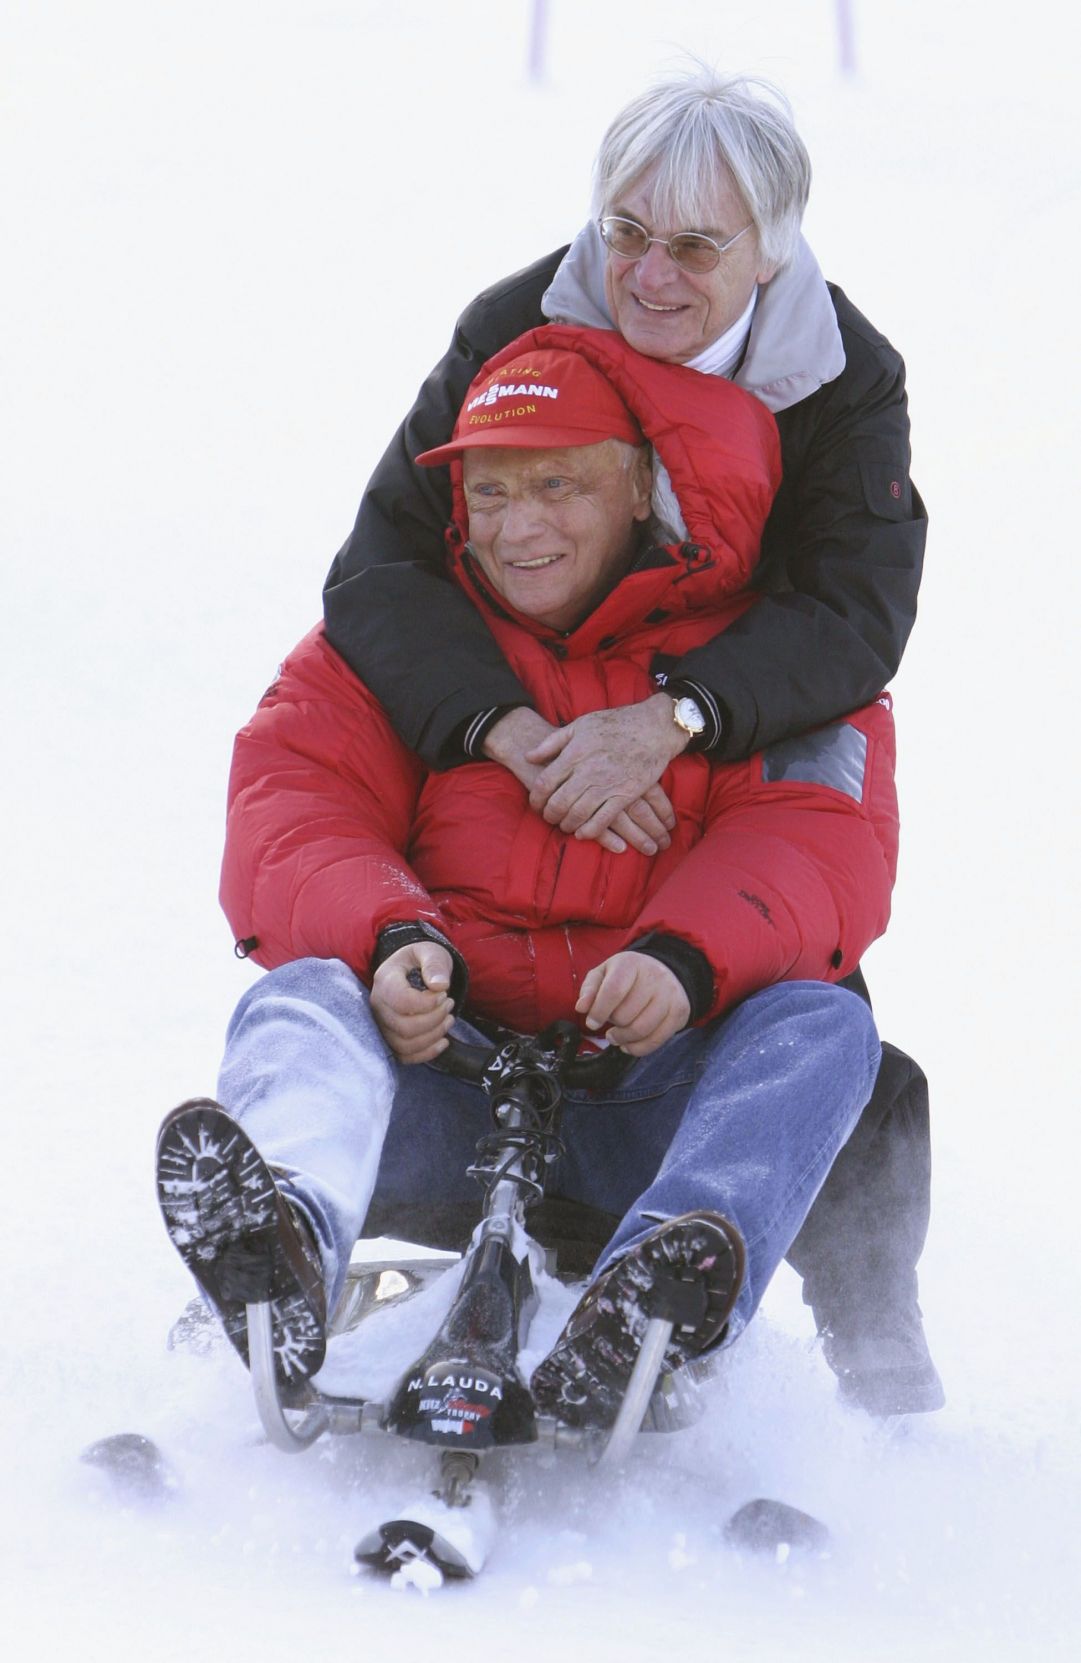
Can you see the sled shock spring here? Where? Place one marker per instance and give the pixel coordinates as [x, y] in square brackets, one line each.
[522, 1154]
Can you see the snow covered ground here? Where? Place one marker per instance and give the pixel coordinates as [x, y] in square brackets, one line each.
[236, 237]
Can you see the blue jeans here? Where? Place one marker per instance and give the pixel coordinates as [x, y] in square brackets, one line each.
[743, 1116]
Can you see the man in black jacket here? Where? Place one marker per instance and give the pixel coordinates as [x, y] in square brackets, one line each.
[696, 257]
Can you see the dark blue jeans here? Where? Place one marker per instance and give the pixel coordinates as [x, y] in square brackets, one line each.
[744, 1116]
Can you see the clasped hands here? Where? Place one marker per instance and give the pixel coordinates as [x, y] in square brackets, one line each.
[598, 776]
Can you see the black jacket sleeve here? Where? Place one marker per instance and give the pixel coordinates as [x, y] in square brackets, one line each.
[387, 601]
[840, 569]
[842, 558]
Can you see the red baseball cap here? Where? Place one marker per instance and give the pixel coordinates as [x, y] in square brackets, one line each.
[544, 400]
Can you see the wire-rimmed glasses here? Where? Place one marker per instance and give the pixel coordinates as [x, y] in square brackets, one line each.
[692, 250]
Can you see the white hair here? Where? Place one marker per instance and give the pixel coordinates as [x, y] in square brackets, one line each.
[689, 126]
[667, 522]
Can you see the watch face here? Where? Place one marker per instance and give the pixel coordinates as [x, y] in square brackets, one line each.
[689, 716]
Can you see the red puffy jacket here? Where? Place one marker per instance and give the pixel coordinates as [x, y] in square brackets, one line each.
[780, 867]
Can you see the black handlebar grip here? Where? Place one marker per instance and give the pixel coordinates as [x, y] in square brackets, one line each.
[600, 1071]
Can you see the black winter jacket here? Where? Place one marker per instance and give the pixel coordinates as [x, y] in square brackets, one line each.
[841, 558]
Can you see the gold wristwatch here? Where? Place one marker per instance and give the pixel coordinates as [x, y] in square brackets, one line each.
[687, 715]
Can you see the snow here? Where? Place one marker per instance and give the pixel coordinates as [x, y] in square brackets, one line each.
[236, 237]
[368, 1360]
[418, 1573]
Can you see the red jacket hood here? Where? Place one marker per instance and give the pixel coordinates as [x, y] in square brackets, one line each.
[718, 443]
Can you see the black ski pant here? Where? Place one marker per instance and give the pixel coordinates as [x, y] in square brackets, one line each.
[860, 1243]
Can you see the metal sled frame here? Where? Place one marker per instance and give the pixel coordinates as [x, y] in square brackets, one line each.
[516, 1074]
[351, 1415]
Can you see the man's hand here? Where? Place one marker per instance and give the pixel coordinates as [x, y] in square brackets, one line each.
[599, 765]
[414, 1021]
[512, 737]
[639, 1000]
[522, 740]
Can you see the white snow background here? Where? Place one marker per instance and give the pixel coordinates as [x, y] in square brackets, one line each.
[235, 237]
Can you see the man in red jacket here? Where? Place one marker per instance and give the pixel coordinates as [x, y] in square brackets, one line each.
[693, 254]
[349, 867]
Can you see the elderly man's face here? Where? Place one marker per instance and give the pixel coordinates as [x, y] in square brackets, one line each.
[554, 530]
[664, 311]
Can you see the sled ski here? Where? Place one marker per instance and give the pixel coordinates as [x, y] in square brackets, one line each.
[773, 1527]
[451, 1529]
[135, 1466]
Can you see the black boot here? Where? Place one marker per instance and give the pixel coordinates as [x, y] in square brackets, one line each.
[882, 1363]
[689, 1271]
[240, 1239]
[860, 1243]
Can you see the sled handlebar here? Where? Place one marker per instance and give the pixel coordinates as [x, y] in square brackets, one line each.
[552, 1052]
[597, 1071]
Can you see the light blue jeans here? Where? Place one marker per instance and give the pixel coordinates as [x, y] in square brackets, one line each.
[744, 1116]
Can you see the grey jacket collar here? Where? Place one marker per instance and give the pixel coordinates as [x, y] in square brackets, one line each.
[794, 347]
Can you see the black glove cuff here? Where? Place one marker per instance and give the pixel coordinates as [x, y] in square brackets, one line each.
[393, 936]
[688, 964]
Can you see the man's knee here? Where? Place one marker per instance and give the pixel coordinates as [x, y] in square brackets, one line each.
[830, 1020]
[309, 1002]
[901, 1088]
[311, 978]
[322, 984]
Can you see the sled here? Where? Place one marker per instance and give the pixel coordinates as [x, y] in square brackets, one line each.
[464, 1395]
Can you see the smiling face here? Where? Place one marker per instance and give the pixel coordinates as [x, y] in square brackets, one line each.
[554, 530]
[664, 311]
